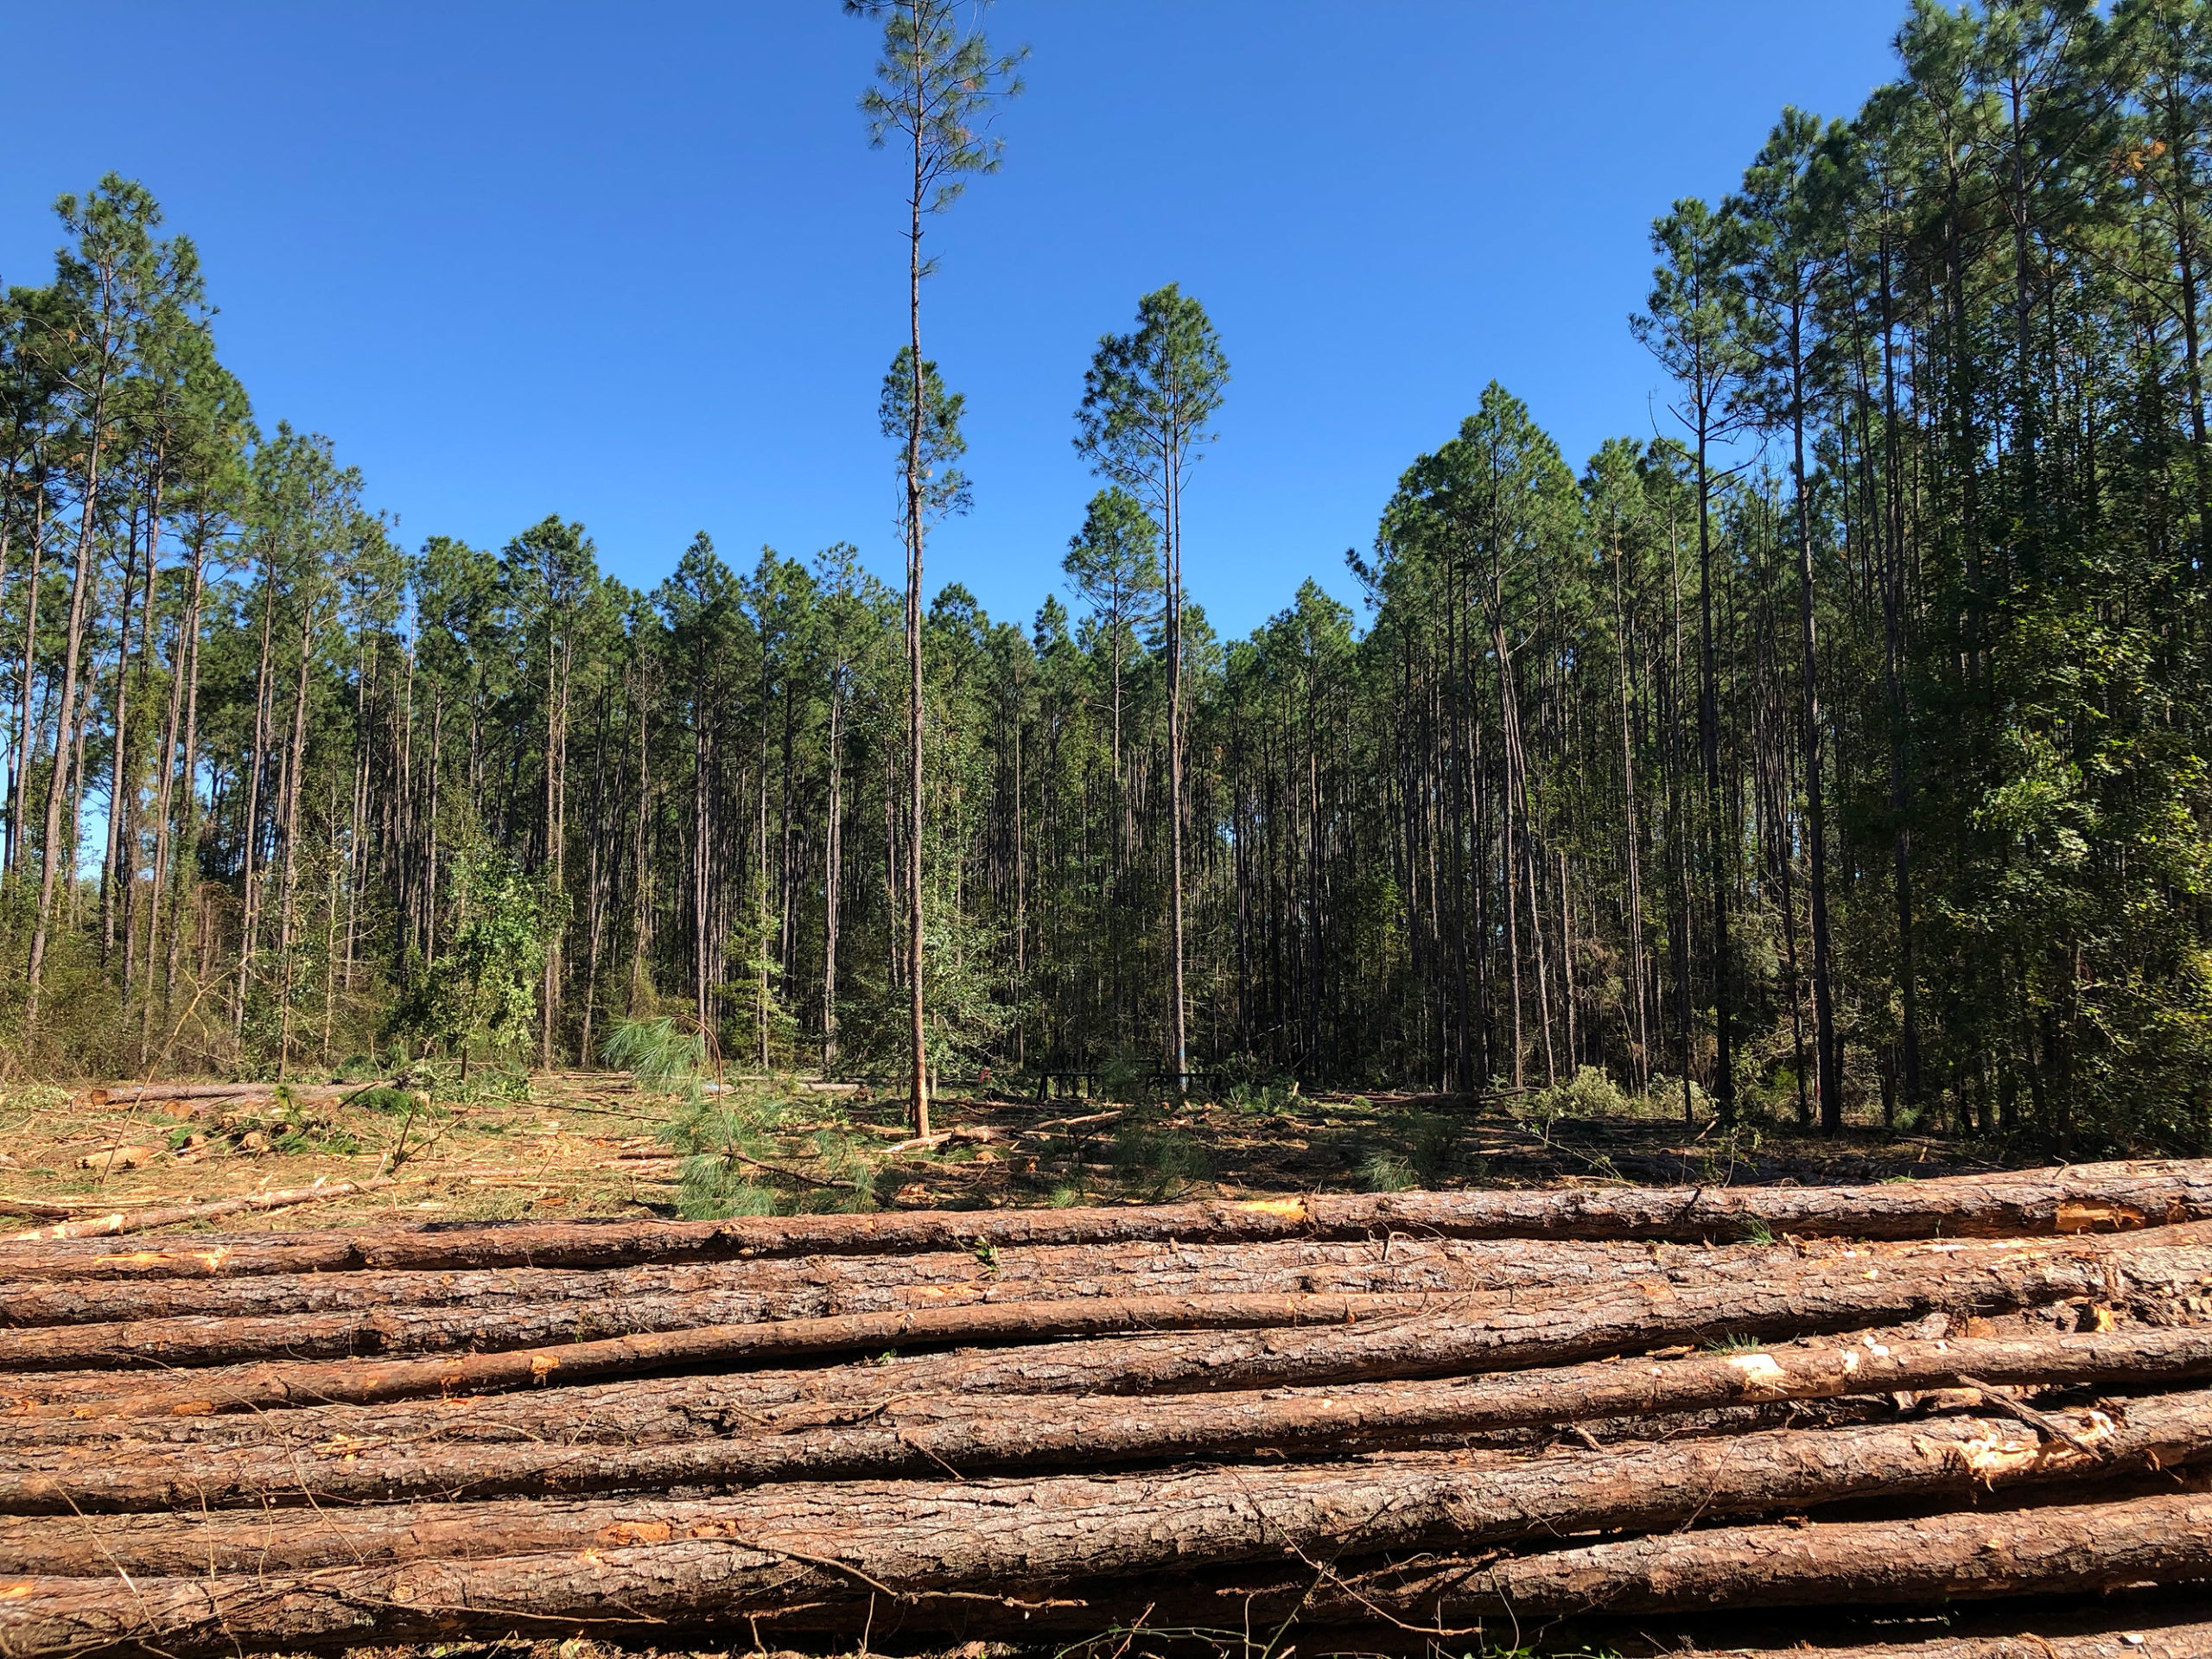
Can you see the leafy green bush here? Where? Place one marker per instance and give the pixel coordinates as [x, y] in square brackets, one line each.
[1269, 1096]
[1588, 1093]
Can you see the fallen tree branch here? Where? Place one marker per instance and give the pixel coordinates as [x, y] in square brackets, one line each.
[120, 1222]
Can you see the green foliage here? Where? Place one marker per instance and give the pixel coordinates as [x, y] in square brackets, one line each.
[929, 416]
[387, 1100]
[1270, 1096]
[1157, 1159]
[1588, 1093]
[659, 1058]
[739, 1152]
[1151, 394]
[1387, 1172]
[1127, 1079]
[483, 992]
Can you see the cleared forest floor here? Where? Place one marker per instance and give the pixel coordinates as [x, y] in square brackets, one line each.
[579, 1144]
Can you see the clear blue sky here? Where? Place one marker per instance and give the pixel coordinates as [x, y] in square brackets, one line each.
[636, 264]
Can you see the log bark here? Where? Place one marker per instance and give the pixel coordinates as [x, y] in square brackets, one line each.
[991, 1425]
[402, 1455]
[1008, 1554]
[141, 1221]
[2047, 1550]
[788, 1288]
[275, 1383]
[137, 1094]
[492, 1310]
[2087, 1199]
[1051, 1530]
[2138, 1641]
[1460, 1333]
[842, 1284]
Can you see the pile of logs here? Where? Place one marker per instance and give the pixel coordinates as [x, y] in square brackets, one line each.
[1392, 1423]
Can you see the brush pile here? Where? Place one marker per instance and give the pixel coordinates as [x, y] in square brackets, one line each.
[1385, 1422]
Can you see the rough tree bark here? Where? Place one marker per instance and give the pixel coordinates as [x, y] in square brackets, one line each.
[1077, 1396]
[950, 1552]
[922, 1438]
[2090, 1197]
[1463, 1331]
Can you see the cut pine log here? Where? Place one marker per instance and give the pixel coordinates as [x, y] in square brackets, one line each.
[448, 1313]
[1459, 1333]
[399, 1454]
[950, 1533]
[2136, 1640]
[853, 1284]
[1965, 1555]
[1027, 1560]
[134, 1094]
[2087, 1199]
[992, 1398]
[275, 1383]
[514, 1309]
[835, 1284]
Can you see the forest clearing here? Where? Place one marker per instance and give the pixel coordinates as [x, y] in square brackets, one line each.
[1632, 1079]
[595, 1143]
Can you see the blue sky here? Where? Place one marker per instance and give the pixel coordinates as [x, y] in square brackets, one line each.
[636, 264]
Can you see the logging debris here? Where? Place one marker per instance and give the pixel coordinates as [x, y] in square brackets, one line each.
[1371, 1418]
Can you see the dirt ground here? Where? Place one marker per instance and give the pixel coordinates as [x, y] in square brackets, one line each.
[582, 1144]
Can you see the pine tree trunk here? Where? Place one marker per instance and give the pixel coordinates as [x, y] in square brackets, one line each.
[27, 733]
[54, 852]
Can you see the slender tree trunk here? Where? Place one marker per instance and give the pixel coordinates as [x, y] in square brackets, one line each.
[113, 876]
[249, 889]
[1642, 1071]
[130, 834]
[19, 806]
[918, 1118]
[188, 772]
[54, 851]
[834, 872]
[162, 896]
[701, 856]
[1824, 1050]
[1716, 806]
[288, 813]
[1893, 599]
[638, 896]
[1177, 1037]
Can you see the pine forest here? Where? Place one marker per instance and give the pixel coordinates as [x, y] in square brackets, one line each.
[1837, 755]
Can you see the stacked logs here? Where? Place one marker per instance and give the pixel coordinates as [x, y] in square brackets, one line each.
[1394, 1421]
